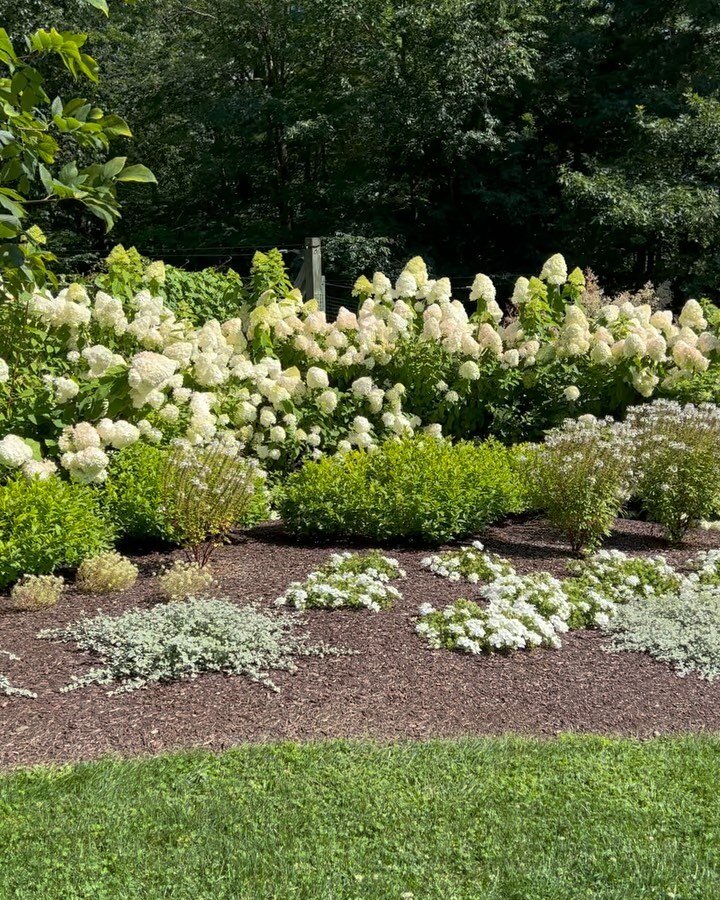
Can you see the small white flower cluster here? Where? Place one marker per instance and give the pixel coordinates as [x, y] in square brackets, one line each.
[610, 578]
[471, 563]
[351, 581]
[372, 563]
[705, 568]
[106, 573]
[522, 612]
[184, 580]
[36, 592]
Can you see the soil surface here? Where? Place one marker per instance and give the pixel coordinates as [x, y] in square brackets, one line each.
[394, 687]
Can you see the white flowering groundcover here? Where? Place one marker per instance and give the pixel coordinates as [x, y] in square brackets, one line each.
[471, 563]
[611, 590]
[348, 581]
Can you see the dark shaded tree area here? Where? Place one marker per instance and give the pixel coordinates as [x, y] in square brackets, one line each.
[484, 134]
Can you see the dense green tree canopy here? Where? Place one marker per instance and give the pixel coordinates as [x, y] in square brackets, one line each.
[485, 134]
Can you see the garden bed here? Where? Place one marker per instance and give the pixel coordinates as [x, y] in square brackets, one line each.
[394, 686]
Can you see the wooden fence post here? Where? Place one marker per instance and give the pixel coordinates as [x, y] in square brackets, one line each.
[311, 280]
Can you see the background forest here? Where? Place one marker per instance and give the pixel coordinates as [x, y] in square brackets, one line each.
[483, 135]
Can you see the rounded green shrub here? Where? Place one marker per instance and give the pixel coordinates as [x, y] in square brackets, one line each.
[47, 525]
[421, 488]
[132, 491]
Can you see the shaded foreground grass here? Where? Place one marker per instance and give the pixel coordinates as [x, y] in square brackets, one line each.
[575, 817]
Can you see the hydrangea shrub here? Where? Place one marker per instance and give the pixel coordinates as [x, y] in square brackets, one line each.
[287, 383]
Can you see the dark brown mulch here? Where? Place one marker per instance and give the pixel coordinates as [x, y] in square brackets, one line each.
[395, 687]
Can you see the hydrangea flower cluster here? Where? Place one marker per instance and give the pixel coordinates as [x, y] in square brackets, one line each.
[472, 563]
[352, 581]
[522, 612]
[289, 383]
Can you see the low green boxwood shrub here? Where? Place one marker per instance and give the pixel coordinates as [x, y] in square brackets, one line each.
[47, 525]
[132, 491]
[420, 488]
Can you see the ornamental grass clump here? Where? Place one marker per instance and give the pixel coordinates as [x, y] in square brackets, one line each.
[581, 476]
[36, 592]
[472, 563]
[681, 629]
[522, 612]
[611, 578]
[105, 574]
[184, 579]
[677, 449]
[206, 492]
[181, 641]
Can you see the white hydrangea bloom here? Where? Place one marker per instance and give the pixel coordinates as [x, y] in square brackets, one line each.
[469, 370]
[14, 452]
[482, 289]
[555, 270]
[317, 378]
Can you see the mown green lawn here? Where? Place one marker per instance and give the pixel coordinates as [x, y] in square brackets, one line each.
[575, 817]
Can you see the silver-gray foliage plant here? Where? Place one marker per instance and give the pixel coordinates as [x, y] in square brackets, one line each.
[180, 641]
[682, 629]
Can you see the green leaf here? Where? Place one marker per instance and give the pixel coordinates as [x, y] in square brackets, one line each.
[114, 167]
[98, 4]
[137, 172]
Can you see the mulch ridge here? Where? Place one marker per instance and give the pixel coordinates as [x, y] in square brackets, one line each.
[394, 687]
